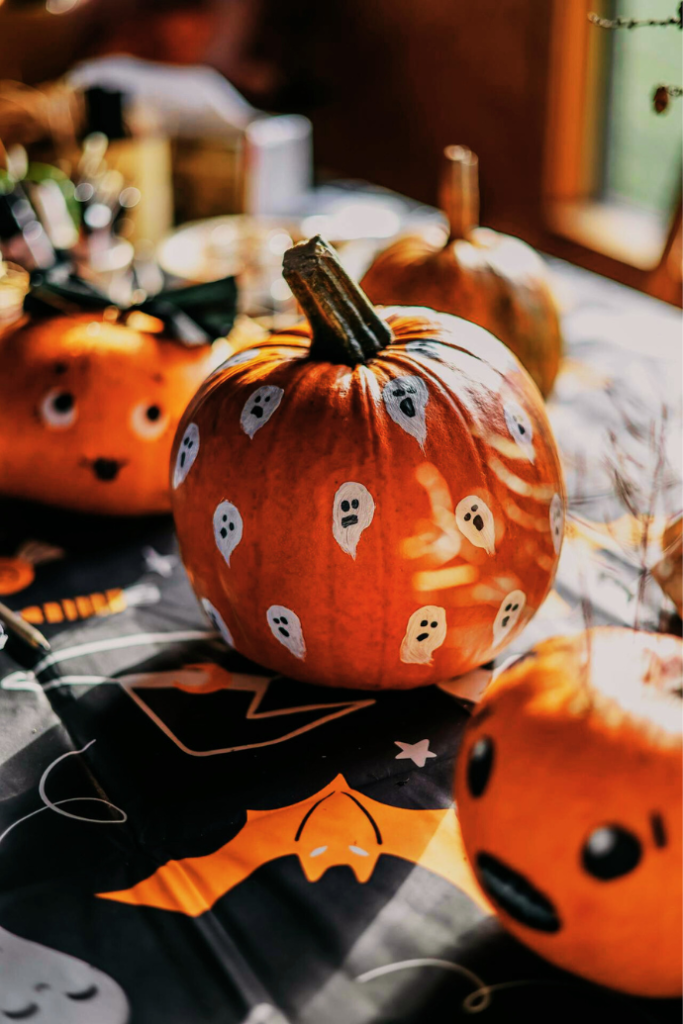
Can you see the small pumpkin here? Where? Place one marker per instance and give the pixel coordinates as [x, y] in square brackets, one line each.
[89, 408]
[494, 280]
[568, 785]
[371, 499]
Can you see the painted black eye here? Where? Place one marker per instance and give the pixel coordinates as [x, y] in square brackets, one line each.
[63, 402]
[345, 506]
[467, 517]
[424, 622]
[355, 503]
[480, 766]
[153, 413]
[610, 852]
[434, 625]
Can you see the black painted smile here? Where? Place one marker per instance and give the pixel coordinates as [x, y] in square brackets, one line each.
[517, 897]
[422, 636]
[349, 521]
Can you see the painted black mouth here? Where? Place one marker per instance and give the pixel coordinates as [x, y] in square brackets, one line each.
[257, 411]
[479, 523]
[407, 407]
[106, 469]
[349, 521]
[518, 897]
[422, 636]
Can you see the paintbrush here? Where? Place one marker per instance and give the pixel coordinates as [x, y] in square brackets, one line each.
[24, 631]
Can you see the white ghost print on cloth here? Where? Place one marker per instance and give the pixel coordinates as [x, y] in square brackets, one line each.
[511, 607]
[259, 407]
[352, 513]
[43, 985]
[475, 521]
[227, 528]
[406, 400]
[521, 430]
[285, 626]
[556, 522]
[217, 620]
[426, 631]
[188, 451]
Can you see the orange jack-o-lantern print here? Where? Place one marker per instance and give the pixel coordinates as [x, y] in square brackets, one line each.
[88, 410]
[568, 786]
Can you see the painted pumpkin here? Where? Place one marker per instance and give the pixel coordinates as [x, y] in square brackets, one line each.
[372, 499]
[89, 408]
[568, 785]
[493, 280]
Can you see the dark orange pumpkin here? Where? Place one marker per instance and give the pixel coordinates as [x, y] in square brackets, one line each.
[568, 785]
[88, 410]
[373, 499]
[493, 280]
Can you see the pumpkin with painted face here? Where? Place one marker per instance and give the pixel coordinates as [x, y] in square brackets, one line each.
[492, 279]
[372, 499]
[88, 410]
[568, 786]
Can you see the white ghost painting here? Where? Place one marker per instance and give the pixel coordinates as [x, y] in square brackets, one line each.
[216, 620]
[188, 450]
[259, 408]
[42, 984]
[425, 632]
[352, 513]
[406, 400]
[475, 521]
[511, 608]
[521, 430]
[557, 522]
[285, 626]
[227, 528]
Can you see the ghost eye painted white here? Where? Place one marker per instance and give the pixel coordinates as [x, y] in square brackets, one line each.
[405, 399]
[259, 408]
[188, 450]
[148, 420]
[227, 528]
[58, 409]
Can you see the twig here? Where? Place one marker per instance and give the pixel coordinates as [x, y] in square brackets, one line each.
[612, 23]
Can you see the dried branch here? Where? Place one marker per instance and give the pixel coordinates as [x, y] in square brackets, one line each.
[612, 23]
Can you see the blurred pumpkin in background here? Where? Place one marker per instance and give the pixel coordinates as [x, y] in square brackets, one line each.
[568, 785]
[371, 499]
[89, 407]
[494, 280]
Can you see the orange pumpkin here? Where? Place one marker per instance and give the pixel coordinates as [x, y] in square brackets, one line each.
[493, 280]
[88, 410]
[372, 499]
[568, 785]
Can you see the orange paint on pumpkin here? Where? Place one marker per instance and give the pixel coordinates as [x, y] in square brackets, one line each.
[568, 786]
[493, 280]
[263, 499]
[15, 575]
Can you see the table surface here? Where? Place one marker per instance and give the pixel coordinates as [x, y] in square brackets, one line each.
[145, 741]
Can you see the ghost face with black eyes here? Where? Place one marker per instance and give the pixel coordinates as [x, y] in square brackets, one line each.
[425, 633]
[507, 616]
[352, 512]
[556, 522]
[520, 429]
[43, 985]
[405, 399]
[217, 621]
[475, 520]
[285, 626]
[568, 788]
[188, 450]
[227, 528]
[259, 408]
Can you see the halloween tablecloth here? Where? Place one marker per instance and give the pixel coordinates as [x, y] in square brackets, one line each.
[184, 838]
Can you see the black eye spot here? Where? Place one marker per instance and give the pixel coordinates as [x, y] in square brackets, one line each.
[434, 625]
[610, 852]
[480, 766]
[276, 620]
[267, 398]
[424, 622]
[508, 607]
[153, 413]
[399, 394]
[354, 503]
[474, 508]
[225, 519]
[257, 399]
[345, 506]
[515, 607]
[467, 517]
[64, 401]
[283, 619]
[87, 993]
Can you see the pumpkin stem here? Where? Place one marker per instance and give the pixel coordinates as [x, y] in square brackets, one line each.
[459, 190]
[345, 327]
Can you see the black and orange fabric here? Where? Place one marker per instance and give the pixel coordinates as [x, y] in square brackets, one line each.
[186, 838]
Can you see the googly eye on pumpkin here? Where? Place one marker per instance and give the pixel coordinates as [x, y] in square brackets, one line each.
[58, 409]
[148, 420]
[610, 852]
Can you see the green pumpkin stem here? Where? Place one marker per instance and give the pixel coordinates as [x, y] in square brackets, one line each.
[345, 327]
[459, 190]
